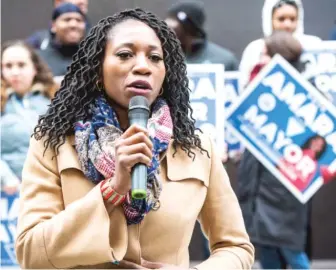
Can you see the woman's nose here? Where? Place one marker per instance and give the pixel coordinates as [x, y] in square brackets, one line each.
[288, 24]
[74, 23]
[15, 70]
[142, 65]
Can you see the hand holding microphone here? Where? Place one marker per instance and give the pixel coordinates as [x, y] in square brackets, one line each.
[134, 151]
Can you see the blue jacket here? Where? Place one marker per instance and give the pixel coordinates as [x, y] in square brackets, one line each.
[17, 123]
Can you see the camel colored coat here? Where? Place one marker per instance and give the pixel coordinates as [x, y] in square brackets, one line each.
[63, 222]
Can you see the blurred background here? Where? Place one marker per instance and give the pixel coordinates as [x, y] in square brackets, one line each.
[230, 23]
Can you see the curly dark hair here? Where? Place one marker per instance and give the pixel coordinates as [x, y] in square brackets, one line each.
[79, 86]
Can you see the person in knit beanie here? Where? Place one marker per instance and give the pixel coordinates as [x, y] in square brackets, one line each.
[187, 19]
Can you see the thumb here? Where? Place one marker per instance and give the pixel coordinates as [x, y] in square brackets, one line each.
[130, 265]
[151, 265]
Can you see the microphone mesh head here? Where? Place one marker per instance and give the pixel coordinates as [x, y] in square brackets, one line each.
[138, 102]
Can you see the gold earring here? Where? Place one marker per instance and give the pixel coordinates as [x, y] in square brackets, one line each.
[99, 86]
[161, 92]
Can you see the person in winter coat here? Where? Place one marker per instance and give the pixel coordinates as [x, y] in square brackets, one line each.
[277, 223]
[187, 19]
[284, 15]
[68, 28]
[41, 38]
[279, 42]
[27, 86]
[76, 205]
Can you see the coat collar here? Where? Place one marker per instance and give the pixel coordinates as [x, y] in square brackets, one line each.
[36, 88]
[67, 156]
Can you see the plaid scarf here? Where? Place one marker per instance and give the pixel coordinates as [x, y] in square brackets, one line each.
[95, 141]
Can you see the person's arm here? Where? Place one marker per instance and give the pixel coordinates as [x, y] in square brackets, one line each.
[249, 60]
[221, 220]
[50, 236]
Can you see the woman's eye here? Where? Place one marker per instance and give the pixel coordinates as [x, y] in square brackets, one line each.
[124, 55]
[155, 58]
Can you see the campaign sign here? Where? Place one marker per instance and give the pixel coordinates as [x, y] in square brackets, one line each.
[232, 89]
[9, 214]
[320, 68]
[289, 126]
[325, 82]
[206, 82]
[319, 57]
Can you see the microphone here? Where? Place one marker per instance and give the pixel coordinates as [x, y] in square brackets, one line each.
[138, 113]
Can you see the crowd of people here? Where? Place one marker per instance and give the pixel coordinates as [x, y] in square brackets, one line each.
[72, 74]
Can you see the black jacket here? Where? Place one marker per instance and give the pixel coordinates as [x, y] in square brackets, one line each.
[273, 216]
[58, 57]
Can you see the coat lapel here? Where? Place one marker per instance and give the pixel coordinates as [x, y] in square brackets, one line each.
[180, 166]
[68, 157]
[74, 183]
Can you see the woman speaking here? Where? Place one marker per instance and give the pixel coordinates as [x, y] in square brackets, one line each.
[76, 207]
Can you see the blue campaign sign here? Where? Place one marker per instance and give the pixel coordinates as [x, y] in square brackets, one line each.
[319, 57]
[206, 82]
[9, 214]
[325, 82]
[232, 87]
[289, 126]
[320, 67]
[232, 91]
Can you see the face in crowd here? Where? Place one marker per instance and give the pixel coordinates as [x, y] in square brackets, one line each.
[18, 68]
[69, 28]
[285, 16]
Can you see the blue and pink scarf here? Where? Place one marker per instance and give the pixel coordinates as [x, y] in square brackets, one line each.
[95, 141]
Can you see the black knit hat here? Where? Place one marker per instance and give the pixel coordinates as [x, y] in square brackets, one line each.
[190, 13]
[65, 8]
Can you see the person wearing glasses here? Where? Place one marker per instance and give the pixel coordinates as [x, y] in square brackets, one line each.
[187, 19]
[285, 15]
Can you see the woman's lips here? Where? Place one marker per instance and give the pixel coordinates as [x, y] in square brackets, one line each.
[142, 84]
[138, 91]
[15, 81]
